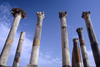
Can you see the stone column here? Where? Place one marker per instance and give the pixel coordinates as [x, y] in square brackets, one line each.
[18, 14]
[83, 47]
[92, 38]
[36, 41]
[73, 59]
[76, 50]
[64, 37]
[18, 51]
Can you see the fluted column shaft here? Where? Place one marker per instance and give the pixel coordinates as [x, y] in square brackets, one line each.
[92, 38]
[76, 50]
[36, 42]
[64, 37]
[18, 51]
[83, 47]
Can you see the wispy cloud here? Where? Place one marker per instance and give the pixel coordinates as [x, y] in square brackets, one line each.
[45, 59]
[90, 57]
[56, 60]
[6, 20]
[72, 32]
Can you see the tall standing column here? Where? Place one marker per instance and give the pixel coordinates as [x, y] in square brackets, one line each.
[73, 59]
[92, 38]
[64, 37]
[36, 42]
[18, 51]
[18, 14]
[83, 47]
[76, 50]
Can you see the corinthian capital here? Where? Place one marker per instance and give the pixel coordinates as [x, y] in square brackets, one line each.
[86, 15]
[40, 14]
[18, 11]
[79, 30]
[75, 40]
[62, 14]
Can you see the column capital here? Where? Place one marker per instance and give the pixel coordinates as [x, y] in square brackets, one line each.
[62, 14]
[18, 11]
[40, 14]
[75, 40]
[79, 30]
[86, 14]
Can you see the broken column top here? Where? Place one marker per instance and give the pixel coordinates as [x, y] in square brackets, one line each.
[22, 35]
[15, 11]
[85, 14]
[75, 40]
[23, 32]
[79, 29]
[63, 14]
[40, 14]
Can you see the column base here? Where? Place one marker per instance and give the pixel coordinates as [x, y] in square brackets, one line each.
[66, 66]
[2, 66]
[30, 65]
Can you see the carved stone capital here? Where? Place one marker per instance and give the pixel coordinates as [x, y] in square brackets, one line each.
[75, 40]
[79, 30]
[40, 14]
[62, 14]
[86, 15]
[18, 11]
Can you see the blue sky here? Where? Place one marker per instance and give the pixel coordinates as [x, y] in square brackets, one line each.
[50, 46]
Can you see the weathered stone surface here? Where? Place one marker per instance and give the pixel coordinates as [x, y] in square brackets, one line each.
[73, 59]
[92, 38]
[66, 66]
[32, 65]
[18, 14]
[62, 14]
[36, 41]
[18, 51]
[78, 62]
[64, 37]
[83, 47]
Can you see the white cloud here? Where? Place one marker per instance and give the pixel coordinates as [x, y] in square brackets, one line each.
[90, 57]
[5, 24]
[72, 32]
[47, 56]
[57, 60]
[44, 58]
